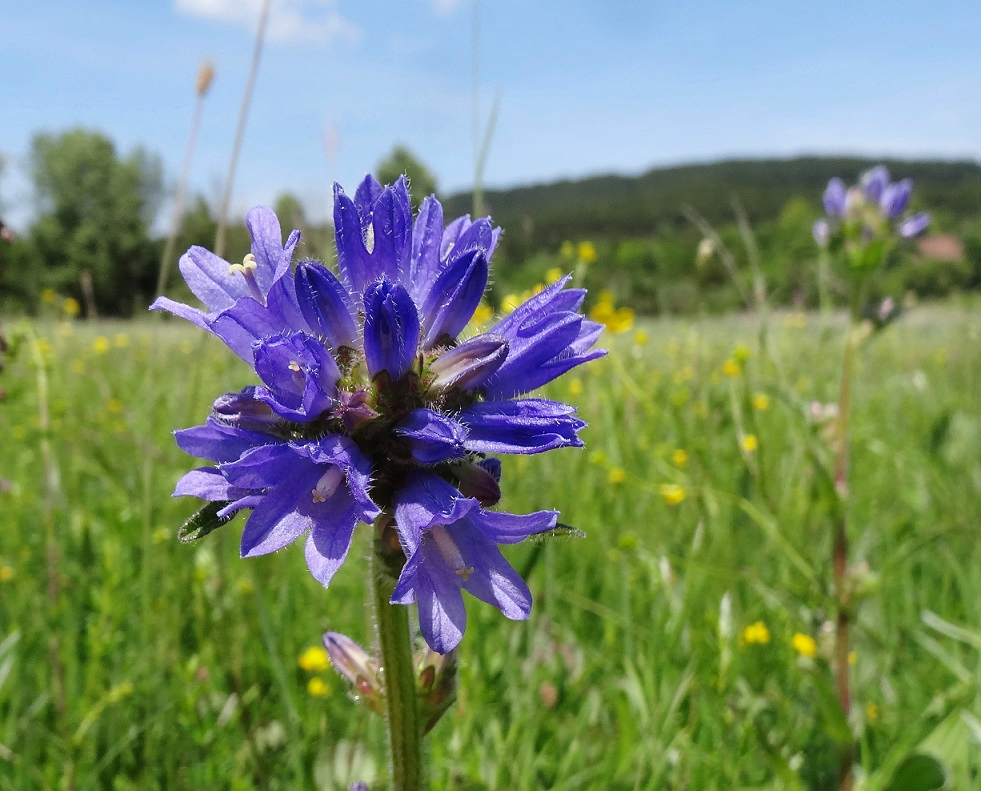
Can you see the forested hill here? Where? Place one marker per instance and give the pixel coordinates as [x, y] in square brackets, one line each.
[620, 206]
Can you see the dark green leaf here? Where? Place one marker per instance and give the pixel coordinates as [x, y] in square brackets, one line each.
[203, 522]
[918, 772]
[560, 531]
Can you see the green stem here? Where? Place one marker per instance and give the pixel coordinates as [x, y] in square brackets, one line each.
[840, 539]
[395, 643]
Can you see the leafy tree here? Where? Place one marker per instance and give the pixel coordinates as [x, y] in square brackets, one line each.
[289, 209]
[403, 162]
[93, 215]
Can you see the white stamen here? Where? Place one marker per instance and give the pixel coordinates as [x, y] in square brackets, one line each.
[451, 552]
[294, 365]
[327, 484]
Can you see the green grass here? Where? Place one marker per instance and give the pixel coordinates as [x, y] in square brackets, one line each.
[130, 661]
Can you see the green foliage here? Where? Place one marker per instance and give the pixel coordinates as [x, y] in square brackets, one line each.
[179, 661]
[95, 210]
[403, 162]
[781, 198]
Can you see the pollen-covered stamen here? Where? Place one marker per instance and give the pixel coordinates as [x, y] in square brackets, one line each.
[247, 270]
[451, 552]
[327, 484]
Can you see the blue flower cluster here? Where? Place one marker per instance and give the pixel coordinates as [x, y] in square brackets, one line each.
[869, 211]
[372, 405]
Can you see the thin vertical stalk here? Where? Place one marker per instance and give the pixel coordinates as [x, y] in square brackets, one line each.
[52, 487]
[175, 222]
[395, 643]
[240, 130]
[840, 538]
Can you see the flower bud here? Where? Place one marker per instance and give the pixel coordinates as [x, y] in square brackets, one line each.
[243, 410]
[435, 685]
[479, 482]
[470, 364]
[358, 667]
[205, 75]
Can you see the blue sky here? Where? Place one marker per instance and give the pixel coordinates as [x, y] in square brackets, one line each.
[584, 86]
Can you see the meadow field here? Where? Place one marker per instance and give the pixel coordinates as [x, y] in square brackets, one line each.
[683, 643]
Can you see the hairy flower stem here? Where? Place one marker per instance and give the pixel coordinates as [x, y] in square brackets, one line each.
[395, 643]
[840, 540]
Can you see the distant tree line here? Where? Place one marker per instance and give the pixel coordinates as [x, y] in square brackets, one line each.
[92, 237]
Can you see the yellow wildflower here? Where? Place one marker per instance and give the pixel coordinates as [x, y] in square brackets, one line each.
[617, 475]
[852, 658]
[100, 345]
[871, 711]
[317, 687]
[750, 443]
[587, 252]
[575, 386]
[114, 406]
[732, 368]
[553, 275]
[483, 314]
[640, 338]
[48, 296]
[679, 458]
[804, 644]
[567, 250]
[740, 354]
[510, 303]
[761, 402]
[756, 634]
[6, 573]
[672, 493]
[71, 307]
[622, 321]
[314, 659]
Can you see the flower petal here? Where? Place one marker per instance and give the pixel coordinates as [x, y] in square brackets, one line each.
[427, 233]
[471, 364]
[432, 437]
[454, 297]
[442, 615]
[895, 197]
[391, 330]
[834, 198]
[208, 484]
[325, 304]
[531, 425]
[330, 538]
[914, 225]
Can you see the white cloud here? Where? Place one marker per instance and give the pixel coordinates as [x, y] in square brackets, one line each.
[294, 21]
